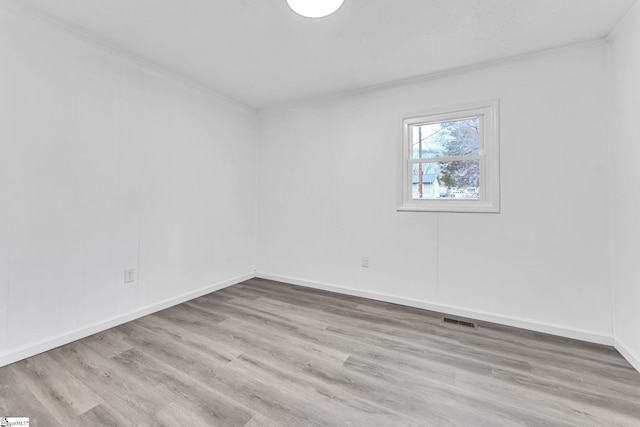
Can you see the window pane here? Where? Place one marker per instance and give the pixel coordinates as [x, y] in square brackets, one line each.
[455, 138]
[458, 180]
[425, 183]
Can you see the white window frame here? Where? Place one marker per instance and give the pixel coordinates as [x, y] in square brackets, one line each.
[488, 156]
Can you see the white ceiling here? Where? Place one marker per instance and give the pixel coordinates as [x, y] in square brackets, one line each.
[262, 54]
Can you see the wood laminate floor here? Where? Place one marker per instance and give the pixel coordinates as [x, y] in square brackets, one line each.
[263, 353]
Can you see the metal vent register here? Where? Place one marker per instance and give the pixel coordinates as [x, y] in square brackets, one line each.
[459, 322]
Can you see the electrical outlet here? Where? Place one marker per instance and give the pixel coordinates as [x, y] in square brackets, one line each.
[130, 275]
[365, 261]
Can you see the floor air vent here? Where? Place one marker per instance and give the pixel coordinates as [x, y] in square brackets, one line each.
[459, 322]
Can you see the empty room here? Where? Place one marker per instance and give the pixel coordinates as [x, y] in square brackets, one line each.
[319, 213]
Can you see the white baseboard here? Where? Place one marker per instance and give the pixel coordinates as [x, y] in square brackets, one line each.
[529, 324]
[632, 357]
[67, 337]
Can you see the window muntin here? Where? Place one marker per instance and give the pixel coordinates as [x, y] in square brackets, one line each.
[451, 160]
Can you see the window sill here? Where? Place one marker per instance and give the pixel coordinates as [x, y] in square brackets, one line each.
[463, 206]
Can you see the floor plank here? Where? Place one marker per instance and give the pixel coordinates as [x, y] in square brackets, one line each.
[263, 353]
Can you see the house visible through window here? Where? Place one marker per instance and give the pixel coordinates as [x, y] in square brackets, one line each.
[451, 160]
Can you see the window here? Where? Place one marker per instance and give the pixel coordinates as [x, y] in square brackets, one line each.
[450, 160]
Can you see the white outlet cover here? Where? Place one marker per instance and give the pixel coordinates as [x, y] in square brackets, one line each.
[130, 275]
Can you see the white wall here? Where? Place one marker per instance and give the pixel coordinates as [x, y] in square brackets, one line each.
[625, 184]
[107, 164]
[329, 187]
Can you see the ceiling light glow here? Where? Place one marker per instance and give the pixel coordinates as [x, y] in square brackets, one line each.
[314, 8]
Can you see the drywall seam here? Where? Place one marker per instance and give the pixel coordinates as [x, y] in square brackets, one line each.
[529, 324]
[610, 87]
[67, 337]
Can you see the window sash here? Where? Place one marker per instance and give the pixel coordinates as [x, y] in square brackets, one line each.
[481, 184]
[487, 156]
[446, 159]
[481, 129]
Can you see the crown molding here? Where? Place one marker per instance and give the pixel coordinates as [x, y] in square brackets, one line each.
[31, 13]
[455, 71]
[617, 29]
